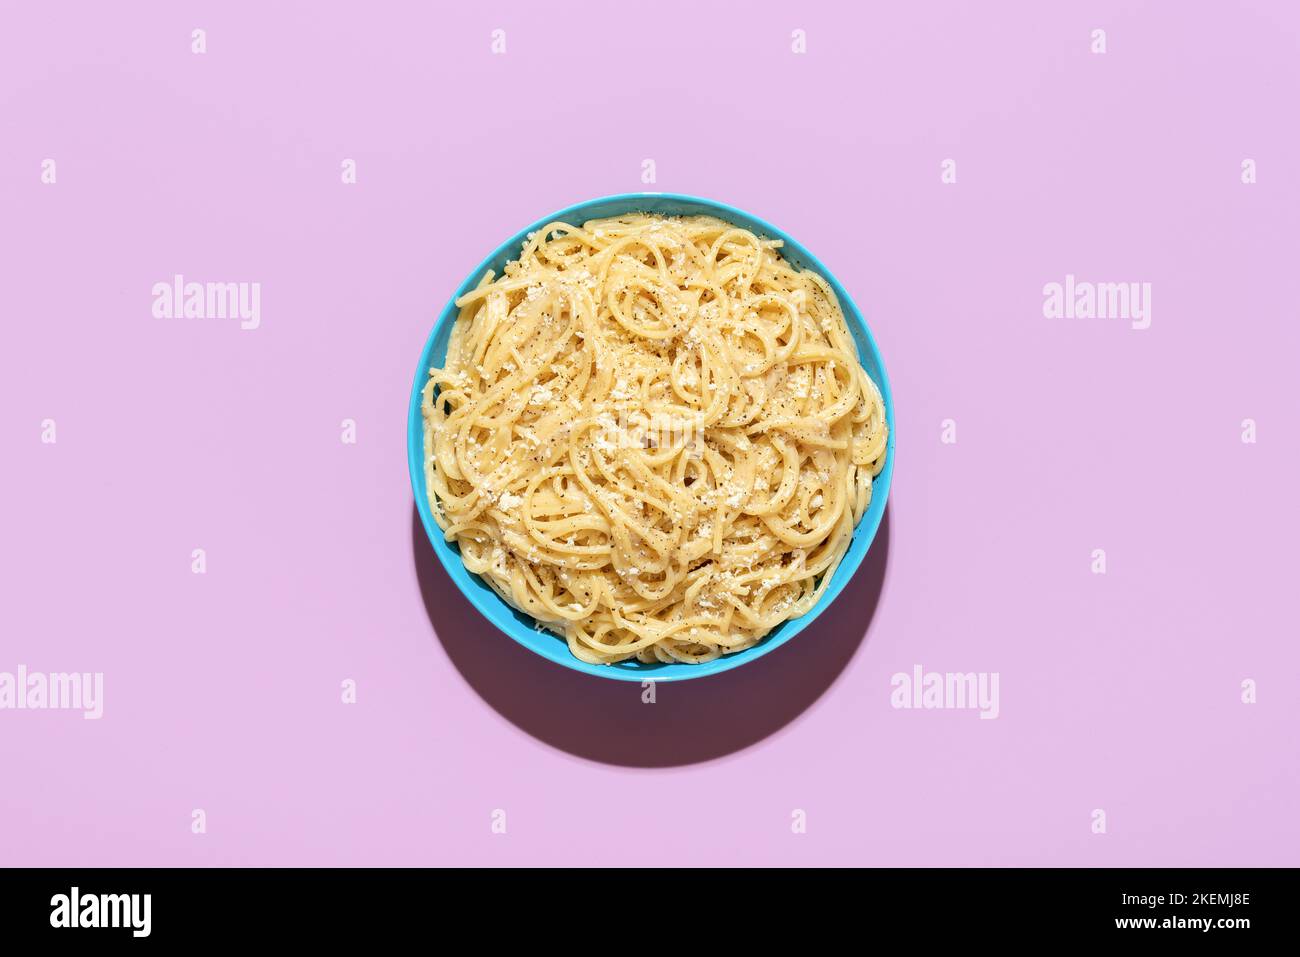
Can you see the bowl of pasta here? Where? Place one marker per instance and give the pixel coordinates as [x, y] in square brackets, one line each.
[650, 437]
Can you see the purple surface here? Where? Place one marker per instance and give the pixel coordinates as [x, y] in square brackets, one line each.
[1119, 692]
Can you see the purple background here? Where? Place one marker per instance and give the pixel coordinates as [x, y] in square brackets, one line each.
[222, 691]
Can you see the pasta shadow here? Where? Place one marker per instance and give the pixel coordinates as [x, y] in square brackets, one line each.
[690, 721]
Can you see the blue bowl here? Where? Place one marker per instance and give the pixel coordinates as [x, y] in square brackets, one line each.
[519, 626]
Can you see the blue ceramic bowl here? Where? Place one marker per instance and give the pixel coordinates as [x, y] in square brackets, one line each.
[520, 626]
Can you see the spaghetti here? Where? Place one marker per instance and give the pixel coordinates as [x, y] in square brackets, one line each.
[653, 435]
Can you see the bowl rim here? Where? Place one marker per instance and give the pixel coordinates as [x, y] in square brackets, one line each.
[496, 610]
